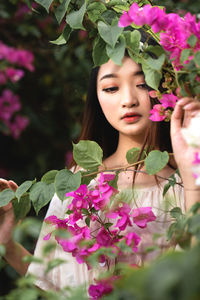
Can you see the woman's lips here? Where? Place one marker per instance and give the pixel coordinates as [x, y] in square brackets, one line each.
[131, 118]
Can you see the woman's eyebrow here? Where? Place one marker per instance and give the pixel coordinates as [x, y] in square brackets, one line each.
[113, 75]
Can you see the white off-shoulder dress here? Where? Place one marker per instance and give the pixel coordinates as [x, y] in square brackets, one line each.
[73, 274]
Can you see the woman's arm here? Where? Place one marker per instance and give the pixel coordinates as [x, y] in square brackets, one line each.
[185, 109]
[14, 251]
[14, 256]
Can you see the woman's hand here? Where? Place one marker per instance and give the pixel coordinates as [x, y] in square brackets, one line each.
[7, 219]
[185, 109]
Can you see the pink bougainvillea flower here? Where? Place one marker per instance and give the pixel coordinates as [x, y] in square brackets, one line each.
[174, 30]
[80, 199]
[196, 160]
[14, 74]
[18, 125]
[19, 57]
[3, 78]
[168, 100]
[103, 238]
[157, 113]
[47, 237]
[143, 215]
[97, 291]
[59, 223]
[153, 94]
[9, 104]
[123, 213]
[132, 240]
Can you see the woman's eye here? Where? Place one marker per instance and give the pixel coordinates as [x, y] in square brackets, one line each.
[111, 89]
[142, 86]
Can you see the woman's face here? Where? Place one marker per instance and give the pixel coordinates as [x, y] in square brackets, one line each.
[123, 97]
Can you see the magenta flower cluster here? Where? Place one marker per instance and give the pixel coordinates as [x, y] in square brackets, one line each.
[19, 57]
[9, 102]
[9, 105]
[160, 111]
[174, 30]
[91, 224]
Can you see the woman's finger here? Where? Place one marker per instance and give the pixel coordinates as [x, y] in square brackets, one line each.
[13, 186]
[3, 184]
[176, 119]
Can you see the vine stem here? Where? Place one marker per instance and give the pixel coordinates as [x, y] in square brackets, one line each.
[124, 168]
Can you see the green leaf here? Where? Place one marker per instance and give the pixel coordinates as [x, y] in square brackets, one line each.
[95, 10]
[110, 33]
[156, 161]
[61, 10]
[48, 248]
[197, 58]
[155, 64]
[6, 196]
[49, 177]
[157, 50]
[194, 226]
[86, 180]
[107, 225]
[152, 77]
[185, 55]
[2, 250]
[54, 263]
[113, 182]
[133, 40]
[117, 53]
[84, 211]
[99, 53]
[87, 221]
[65, 182]
[87, 154]
[40, 194]
[21, 207]
[75, 18]
[166, 188]
[23, 188]
[63, 38]
[133, 154]
[192, 40]
[108, 16]
[32, 258]
[176, 213]
[195, 207]
[45, 3]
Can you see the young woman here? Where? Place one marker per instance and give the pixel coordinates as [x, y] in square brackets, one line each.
[117, 117]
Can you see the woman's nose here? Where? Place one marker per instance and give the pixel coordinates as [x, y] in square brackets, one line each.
[129, 98]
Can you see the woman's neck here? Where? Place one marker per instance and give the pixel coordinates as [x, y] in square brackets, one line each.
[125, 143]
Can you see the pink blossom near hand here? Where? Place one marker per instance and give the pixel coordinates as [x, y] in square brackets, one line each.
[143, 215]
[196, 168]
[14, 74]
[153, 94]
[157, 113]
[132, 240]
[196, 160]
[168, 100]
